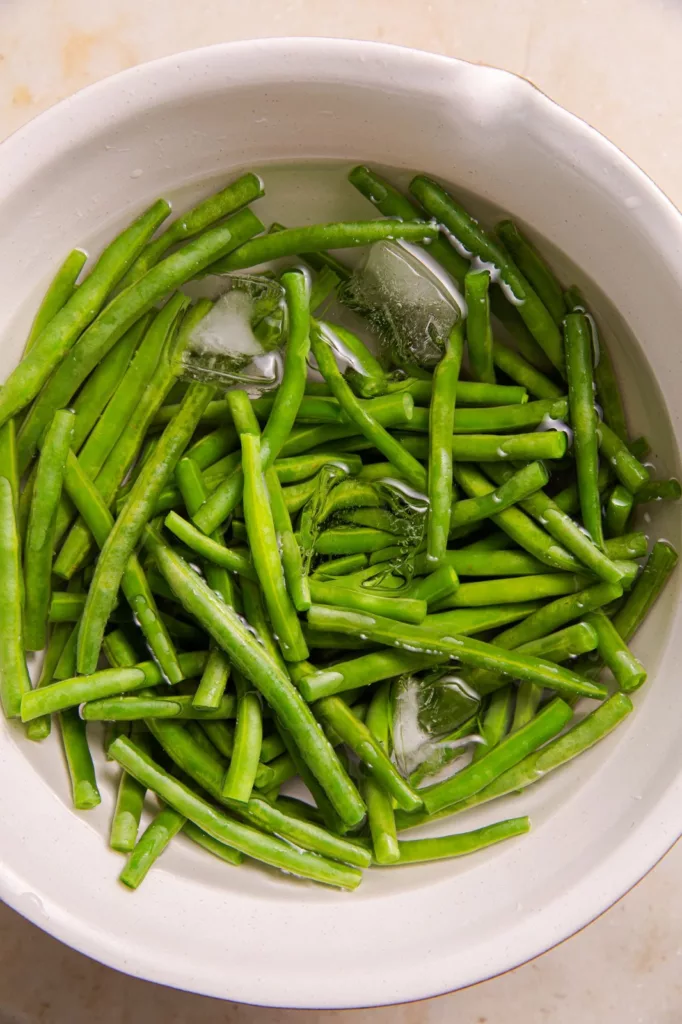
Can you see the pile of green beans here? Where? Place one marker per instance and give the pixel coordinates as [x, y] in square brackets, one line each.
[240, 587]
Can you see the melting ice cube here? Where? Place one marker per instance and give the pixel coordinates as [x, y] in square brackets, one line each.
[237, 342]
[410, 303]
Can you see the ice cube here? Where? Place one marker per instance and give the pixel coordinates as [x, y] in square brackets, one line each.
[237, 341]
[410, 303]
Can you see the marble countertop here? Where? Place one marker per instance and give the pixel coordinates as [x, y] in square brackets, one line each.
[616, 64]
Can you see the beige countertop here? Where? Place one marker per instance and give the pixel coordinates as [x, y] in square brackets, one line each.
[615, 63]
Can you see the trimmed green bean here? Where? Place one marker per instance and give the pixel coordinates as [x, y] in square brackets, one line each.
[40, 728]
[292, 563]
[515, 487]
[505, 755]
[418, 851]
[251, 659]
[129, 805]
[84, 791]
[248, 736]
[534, 268]
[241, 837]
[513, 589]
[363, 671]
[403, 609]
[352, 540]
[148, 707]
[14, 677]
[293, 241]
[9, 468]
[628, 672]
[389, 447]
[212, 684]
[239, 193]
[660, 564]
[59, 335]
[548, 444]
[212, 845]
[122, 312]
[41, 525]
[151, 844]
[469, 651]
[578, 345]
[127, 530]
[479, 332]
[379, 802]
[465, 233]
[441, 419]
[519, 369]
[229, 558]
[659, 490]
[627, 468]
[564, 530]
[60, 290]
[435, 587]
[496, 720]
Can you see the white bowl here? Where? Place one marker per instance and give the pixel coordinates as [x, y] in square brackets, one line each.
[79, 172]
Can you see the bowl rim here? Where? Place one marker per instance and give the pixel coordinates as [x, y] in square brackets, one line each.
[22, 151]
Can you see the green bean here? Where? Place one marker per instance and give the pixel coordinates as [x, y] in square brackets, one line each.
[151, 844]
[608, 392]
[213, 446]
[363, 671]
[475, 562]
[265, 554]
[468, 235]
[239, 193]
[127, 529]
[66, 607]
[660, 564]
[285, 408]
[512, 590]
[209, 549]
[392, 203]
[418, 851]
[578, 344]
[39, 729]
[59, 335]
[495, 724]
[479, 332]
[108, 682]
[567, 499]
[391, 449]
[533, 267]
[364, 373]
[629, 471]
[248, 737]
[292, 563]
[66, 666]
[292, 241]
[528, 699]
[84, 791]
[581, 736]
[403, 609]
[212, 845]
[129, 805]
[468, 392]
[640, 448]
[193, 488]
[41, 525]
[659, 490]
[494, 420]
[358, 737]
[212, 685]
[436, 586]
[151, 706]
[558, 613]
[564, 530]
[520, 370]
[59, 292]
[628, 672]
[250, 658]
[307, 834]
[323, 288]
[441, 418]
[122, 312]
[219, 735]
[352, 494]
[516, 524]
[469, 651]
[118, 650]
[505, 755]
[509, 318]
[515, 487]
[379, 802]
[217, 824]
[349, 540]
[548, 444]
[77, 545]
[130, 391]
[8, 462]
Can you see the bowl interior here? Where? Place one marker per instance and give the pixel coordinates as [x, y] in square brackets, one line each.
[598, 824]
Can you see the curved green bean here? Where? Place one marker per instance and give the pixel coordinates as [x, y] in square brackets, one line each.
[534, 268]
[578, 346]
[292, 563]
[519, 369]
[60, 290]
